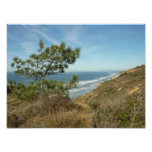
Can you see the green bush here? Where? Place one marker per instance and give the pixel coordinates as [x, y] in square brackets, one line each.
[12, 121]
[34, 90]
[129, 114]
[93, 105]
[24, 92]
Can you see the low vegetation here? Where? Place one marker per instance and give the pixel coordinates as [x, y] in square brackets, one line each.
[56, 111]
[34, 91]
[120, 102]
[116, 103]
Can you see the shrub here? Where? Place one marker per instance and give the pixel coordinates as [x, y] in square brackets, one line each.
[33, 90]
[130, 114]
[12, 121]
[93, 105]
[24, 92]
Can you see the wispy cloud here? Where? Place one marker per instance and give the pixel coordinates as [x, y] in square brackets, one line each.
[31, 38]
[71, 34]
[39, 31]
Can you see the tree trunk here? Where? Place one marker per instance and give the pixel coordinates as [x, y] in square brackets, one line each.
[42, 87]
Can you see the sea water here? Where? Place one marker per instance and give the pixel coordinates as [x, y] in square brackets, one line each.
[87, 80]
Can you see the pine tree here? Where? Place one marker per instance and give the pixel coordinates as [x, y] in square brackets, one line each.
[47, 61]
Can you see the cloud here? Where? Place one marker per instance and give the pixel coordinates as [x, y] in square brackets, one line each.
[71, 33]
[40, 31]
[29, 45]
[48, 38]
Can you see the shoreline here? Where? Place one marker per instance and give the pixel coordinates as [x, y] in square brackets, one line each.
[116, 76]
[109, 79]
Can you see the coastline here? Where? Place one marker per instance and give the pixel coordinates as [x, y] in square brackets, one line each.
[116, 76]
[109, 79]
[119, 102]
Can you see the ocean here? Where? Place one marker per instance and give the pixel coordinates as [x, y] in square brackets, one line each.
[87, 80]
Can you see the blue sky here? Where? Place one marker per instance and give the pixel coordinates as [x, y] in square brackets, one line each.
[103, 47]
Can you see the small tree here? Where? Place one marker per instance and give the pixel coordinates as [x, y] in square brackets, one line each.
[48, 61]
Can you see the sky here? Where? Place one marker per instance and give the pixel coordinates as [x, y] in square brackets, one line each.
[103, 47]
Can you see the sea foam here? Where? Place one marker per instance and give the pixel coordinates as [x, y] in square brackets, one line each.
[87, 86]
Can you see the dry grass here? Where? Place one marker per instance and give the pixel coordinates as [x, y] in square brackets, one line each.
[128, 113]
[120, 102]
[56, 112]
[117, 103]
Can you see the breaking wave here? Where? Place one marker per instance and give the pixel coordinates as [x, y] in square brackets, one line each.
[87, 86]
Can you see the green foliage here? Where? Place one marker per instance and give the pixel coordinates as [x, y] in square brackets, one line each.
[132, 114]
[24, 92]
[60, 87]
[123, 117]
[48, 60]
[93, 105]
[11, 86]
[72, 83]
[33, 90]
[12, 121]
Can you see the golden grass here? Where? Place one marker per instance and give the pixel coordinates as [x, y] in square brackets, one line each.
[56, 112]
[119, 102]
[116, 103]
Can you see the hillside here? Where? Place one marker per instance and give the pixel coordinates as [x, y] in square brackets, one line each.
[119, 102]
[116, 103]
